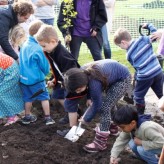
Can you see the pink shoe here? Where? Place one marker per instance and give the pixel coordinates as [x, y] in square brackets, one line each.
[92, 148]
[99, 143]
[114, 130]
[12, 120]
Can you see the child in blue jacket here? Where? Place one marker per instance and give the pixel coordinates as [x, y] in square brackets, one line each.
[33, 69]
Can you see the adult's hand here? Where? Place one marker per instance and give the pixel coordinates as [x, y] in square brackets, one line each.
[156, 35]
[93, 32]
[40, 3]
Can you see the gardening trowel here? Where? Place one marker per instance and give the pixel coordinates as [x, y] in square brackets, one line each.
[76, 131]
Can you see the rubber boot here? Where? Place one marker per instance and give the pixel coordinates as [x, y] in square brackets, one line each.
[114, 129]
[140, 108]
[99, 143]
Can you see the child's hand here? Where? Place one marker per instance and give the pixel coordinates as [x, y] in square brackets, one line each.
[114, 160]
[161, 104]
[50, 84]
[67, 39]
[82, 121]
[137, 141]
[144, 25]
[89, 103]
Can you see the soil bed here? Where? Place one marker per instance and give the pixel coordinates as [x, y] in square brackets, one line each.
[39, 144]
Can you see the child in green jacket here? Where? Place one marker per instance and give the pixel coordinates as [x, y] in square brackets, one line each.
[144, 136]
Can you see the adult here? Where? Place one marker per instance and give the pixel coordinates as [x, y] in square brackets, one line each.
[86, 27]
[11, 15]
[106, 29]
[110, 6]
[10, 92]
[45, 10]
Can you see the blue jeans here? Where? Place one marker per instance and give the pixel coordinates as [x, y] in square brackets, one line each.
[142, 87]
[92, 44]
[147, 155]
[106, 45]
[48, 21]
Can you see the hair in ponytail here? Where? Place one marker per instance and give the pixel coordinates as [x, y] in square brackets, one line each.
[94, 72]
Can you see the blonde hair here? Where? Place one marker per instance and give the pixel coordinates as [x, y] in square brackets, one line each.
[17, 36]
[35, 26]
[121, 34]
[46, 33]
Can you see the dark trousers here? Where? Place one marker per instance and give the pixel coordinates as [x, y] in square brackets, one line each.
[92, 43]
[142, 87]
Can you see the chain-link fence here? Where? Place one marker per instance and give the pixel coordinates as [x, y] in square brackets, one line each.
[130, 14]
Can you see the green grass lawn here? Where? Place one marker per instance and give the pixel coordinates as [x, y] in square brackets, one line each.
[119, 55]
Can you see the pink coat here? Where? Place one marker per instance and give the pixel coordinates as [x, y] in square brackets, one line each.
[161, 45]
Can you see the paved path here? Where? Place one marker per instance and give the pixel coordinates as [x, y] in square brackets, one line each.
[152, 103]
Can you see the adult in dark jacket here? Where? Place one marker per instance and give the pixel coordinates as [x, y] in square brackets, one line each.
[11, 15]
[91, 16]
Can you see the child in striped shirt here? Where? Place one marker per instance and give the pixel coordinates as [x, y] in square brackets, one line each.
[141, 56]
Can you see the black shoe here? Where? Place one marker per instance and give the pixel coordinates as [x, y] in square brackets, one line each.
[79, 112]
[62, 132]
[128, 99]
[49, 121]
[140, 109]
[64, 120]
[27, 120]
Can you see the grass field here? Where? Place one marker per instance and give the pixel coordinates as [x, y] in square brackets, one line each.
[116, 55]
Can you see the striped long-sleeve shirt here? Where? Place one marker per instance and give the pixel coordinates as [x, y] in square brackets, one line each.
[141, 56]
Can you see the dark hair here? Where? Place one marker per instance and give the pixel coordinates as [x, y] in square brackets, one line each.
[23, 8]
[93, 71]
[125, 115]
[75, 77]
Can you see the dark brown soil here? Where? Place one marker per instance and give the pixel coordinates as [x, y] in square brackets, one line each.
[39, 144]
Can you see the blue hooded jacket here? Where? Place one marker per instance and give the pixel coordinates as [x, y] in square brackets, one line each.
[34, 65]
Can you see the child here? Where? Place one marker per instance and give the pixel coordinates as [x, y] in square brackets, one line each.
[148, 70]
[57, 54]
[144, 136]
[17, 37]
[10, 92]
[103, 76]
[33, 69]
